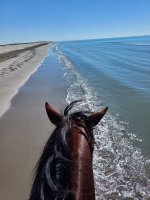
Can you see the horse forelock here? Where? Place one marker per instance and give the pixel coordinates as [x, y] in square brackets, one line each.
[52, 172]
[69, 106]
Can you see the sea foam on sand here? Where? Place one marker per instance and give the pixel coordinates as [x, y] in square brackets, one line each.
[17, 63]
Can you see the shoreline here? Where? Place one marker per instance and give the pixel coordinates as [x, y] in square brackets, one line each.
[16, 69]
[25, 127]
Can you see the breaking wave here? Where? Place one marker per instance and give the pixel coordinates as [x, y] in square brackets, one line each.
[120, 169]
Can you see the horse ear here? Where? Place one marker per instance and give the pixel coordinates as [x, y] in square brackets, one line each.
[96, 117]
[53, 115]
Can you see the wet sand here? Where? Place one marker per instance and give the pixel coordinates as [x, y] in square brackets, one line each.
[17, 63]
[25, 128]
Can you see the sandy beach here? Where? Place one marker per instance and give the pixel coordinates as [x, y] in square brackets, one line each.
[17, 63]
[64, 75]
[25, 128]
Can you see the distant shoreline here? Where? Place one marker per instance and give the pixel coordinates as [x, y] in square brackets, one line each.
[17, 63]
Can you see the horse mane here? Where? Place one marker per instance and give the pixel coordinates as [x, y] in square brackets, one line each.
[53, 169]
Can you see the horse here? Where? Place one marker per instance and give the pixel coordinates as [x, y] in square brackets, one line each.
[64, 170]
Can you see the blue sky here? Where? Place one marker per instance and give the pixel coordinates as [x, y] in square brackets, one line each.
[57, 20]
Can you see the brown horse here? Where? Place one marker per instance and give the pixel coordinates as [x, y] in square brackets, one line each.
[64, 170]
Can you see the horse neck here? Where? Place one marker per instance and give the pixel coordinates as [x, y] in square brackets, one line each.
[82, 172]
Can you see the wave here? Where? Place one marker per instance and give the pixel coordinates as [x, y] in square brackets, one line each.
[120, 169]
[138, 44]
[126, 43]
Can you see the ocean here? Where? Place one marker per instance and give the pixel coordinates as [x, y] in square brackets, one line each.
[103, 72]
[114, 73]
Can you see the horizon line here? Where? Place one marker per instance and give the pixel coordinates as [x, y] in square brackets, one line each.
[73, 40]
[102, 38]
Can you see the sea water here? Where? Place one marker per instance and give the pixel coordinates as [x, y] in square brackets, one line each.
[114, 73]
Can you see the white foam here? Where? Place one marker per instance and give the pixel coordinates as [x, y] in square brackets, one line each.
[138, 44]
[119, 167]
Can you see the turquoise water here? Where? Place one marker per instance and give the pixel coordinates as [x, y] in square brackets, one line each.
[114, 73]
[118, 71]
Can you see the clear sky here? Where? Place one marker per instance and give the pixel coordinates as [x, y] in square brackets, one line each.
[56, 20]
